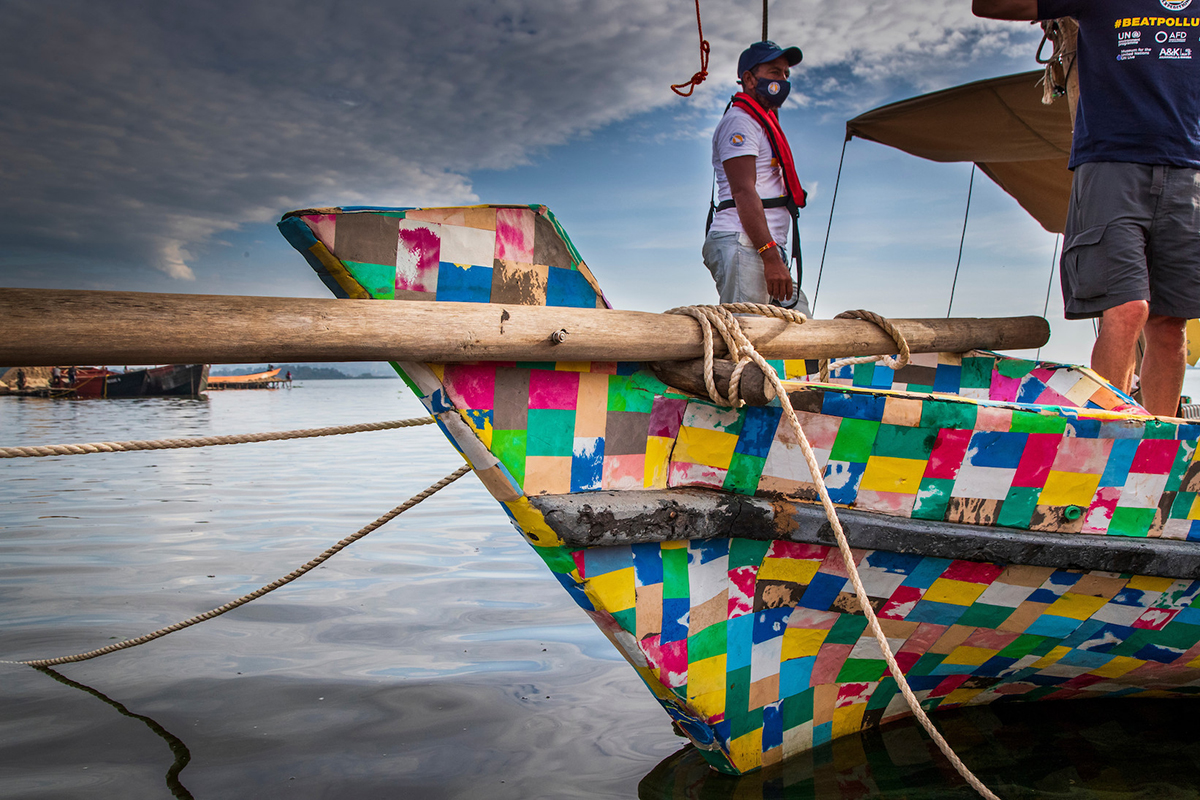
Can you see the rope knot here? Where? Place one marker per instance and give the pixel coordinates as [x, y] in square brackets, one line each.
[741, 349]
[702, 75]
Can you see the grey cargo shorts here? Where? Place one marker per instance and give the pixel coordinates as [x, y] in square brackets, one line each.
[1133, 233]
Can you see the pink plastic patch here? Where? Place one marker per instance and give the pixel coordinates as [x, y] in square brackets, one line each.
[972, 572]
[829, 663]
[782, 549]
[901, 602]
[1155, 456]
[417, 260]
[471, 386]
[669, 659]
[1003, 388]
[1100, 513]
[514, 234]
[741, 591]
[553, 389]
[948, 454]
[324, 227]
[1037, 459]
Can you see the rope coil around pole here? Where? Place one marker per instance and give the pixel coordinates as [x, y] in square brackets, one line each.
[894, 362]
[748, 352]
[270, 587]
[702, 75]
[205, 441]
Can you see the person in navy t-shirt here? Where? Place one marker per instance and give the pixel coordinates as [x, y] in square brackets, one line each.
[1131, 252]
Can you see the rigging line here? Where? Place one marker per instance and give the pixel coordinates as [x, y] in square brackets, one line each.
[257, 593]
[828, 227]
[699, 77]
[962, 240]
[1049, 283]
[764, 20]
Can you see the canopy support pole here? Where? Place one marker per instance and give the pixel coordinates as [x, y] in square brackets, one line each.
[829, 226]
[1049, 283]
[962, 240]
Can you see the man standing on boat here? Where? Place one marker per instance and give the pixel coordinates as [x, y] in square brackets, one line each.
[1132, 244]
[758, 193]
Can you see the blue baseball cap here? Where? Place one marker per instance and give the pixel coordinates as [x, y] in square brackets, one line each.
[762, 52]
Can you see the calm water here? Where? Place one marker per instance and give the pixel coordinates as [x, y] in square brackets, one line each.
[435, 658]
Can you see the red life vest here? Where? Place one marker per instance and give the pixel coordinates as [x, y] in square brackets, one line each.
[779, 145]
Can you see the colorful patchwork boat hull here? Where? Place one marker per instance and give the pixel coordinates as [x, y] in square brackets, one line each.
[1024, 530]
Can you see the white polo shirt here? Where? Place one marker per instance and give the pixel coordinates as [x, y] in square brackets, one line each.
[739, 134]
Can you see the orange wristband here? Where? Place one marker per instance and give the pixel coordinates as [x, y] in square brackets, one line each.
[767, 246]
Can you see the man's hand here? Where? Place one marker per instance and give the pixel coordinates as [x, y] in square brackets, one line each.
[741, 174]
[779, 279]
[1005, 9]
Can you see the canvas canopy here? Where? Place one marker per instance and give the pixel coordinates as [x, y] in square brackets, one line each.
[1000, 124]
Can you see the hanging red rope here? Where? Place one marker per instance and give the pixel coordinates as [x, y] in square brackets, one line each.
[698, 78]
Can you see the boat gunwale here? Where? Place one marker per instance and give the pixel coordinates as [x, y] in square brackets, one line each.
[616, 518]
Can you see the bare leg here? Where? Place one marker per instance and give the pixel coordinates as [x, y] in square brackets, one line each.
[1113, 353]
[1164, 363]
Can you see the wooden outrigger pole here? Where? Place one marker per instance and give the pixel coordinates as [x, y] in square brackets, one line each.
[39, 327]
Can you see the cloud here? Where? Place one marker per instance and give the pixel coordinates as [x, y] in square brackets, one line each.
[138, 132]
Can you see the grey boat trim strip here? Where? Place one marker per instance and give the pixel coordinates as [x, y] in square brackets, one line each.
[614, 518]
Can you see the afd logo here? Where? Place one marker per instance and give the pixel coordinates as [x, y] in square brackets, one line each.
[1175, 5]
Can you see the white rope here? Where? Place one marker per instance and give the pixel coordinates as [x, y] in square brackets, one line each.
[901, 358]
[257, 593]
[204, 441]
[745, 352]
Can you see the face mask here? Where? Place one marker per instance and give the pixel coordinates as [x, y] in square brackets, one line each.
[773, 92]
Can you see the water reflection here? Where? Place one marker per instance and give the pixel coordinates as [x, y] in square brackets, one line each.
[1099, 749]
[178, 749]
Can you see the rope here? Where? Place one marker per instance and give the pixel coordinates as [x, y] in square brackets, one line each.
[829, 226]
[740, 347]
[204, 441]
[961, 241]
[747, 352]
[700, 76]
[897, 362]
[270, 587]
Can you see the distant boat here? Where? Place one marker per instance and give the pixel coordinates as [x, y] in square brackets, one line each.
[257, 380]
[173, 380]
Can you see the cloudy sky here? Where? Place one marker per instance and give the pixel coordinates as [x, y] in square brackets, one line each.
[151, 146]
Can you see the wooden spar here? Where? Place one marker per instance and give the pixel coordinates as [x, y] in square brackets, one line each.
[40, 327]
[689, 376]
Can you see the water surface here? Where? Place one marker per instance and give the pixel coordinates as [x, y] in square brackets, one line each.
[437, 658]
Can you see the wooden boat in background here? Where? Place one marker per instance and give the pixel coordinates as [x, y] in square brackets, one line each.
[172, 380]
[268, 379]
[1025, 531]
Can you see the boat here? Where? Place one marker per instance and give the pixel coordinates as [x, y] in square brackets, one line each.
[1025, 531]
[267, 379]
[172, 380]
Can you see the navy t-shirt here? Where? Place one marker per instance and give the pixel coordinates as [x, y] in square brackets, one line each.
[1139, 80]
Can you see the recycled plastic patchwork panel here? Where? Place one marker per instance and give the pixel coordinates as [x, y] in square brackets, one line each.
[562, 428]
[764, 642]
[485, 254]
[991, 461]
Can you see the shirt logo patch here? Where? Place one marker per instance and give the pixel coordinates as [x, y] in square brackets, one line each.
[737, 140]
[1175, 5]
